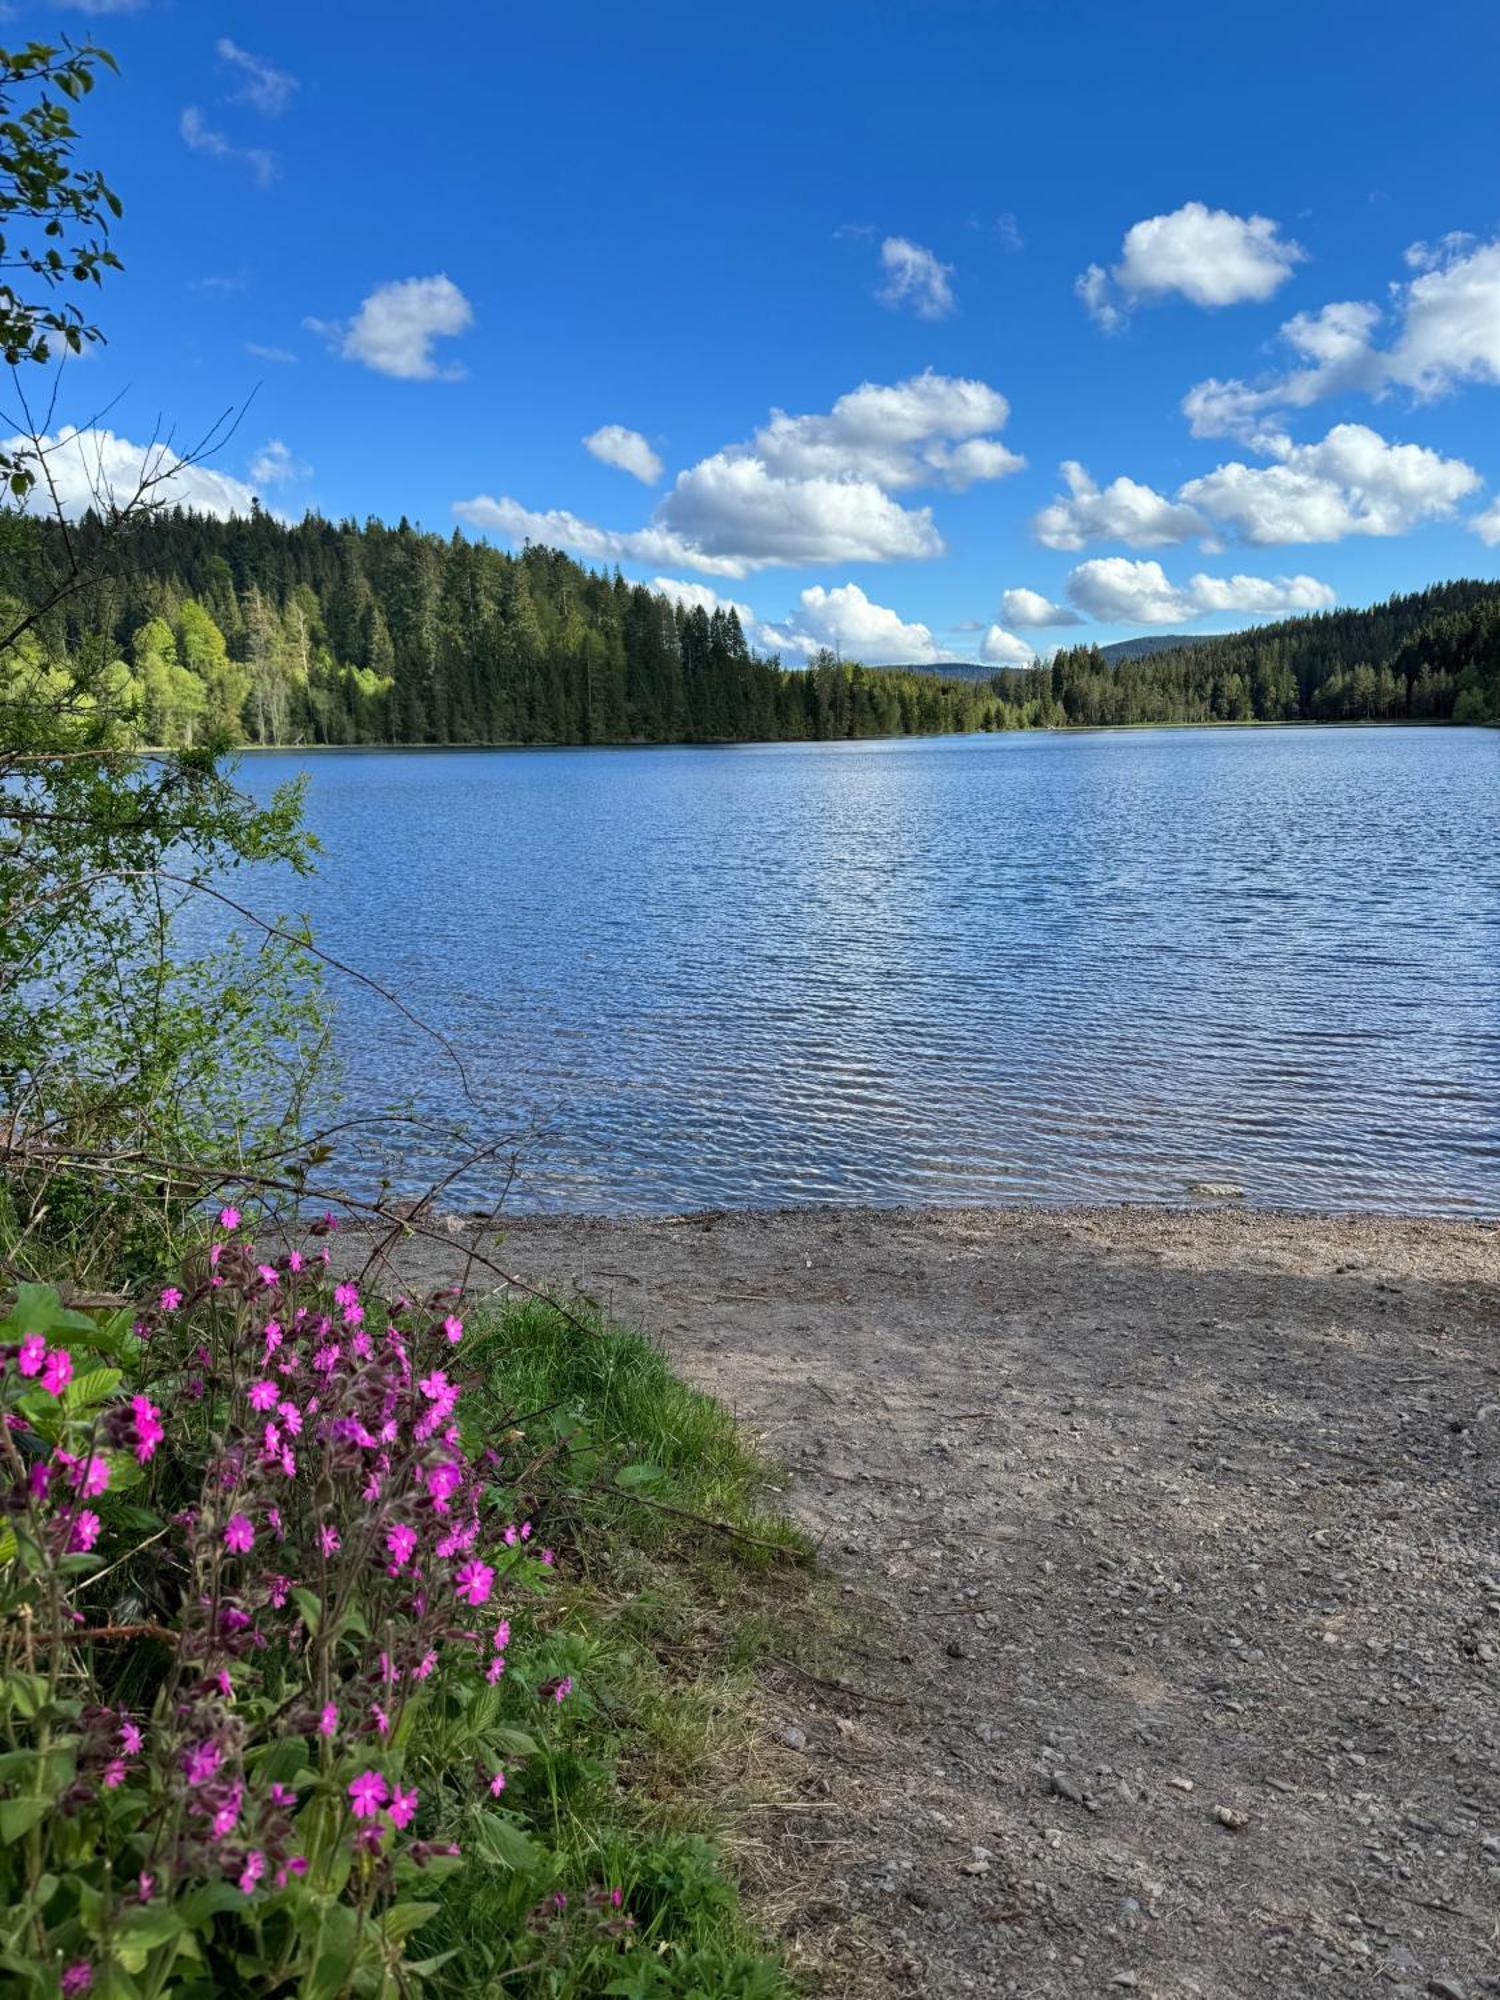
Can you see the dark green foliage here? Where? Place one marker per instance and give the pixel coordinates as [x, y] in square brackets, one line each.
[347, 634]
[1430, 657]
[255, 631]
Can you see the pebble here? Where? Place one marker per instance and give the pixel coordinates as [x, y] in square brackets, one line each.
[793, 1737]
[1066, 1789]
[1235, 1821]
[1447, 1989]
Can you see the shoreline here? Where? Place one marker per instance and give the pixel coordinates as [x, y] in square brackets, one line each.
[1165, 1542]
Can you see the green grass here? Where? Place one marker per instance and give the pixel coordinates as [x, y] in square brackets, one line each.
[675, 1583]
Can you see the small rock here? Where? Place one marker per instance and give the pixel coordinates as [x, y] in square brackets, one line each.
[1447, 1989]
[955, 1651]
[1066, 1789]
[975, 1868]
[1235, 1821]
[1180, 1784]
[1124, 1979]
[793, 1737]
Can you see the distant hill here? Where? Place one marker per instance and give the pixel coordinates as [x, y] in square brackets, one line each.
[947, 670]
[1161, 642]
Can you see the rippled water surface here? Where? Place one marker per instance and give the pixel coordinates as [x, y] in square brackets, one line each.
[1046, 968]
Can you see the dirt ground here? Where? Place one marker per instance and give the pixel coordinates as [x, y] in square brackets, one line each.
[1172, 1552]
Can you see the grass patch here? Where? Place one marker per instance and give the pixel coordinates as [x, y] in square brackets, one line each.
[675, 1583]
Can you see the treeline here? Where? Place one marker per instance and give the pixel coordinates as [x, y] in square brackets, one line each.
[253, 631]
[1433, 656]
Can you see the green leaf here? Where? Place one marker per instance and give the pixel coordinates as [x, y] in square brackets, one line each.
[312, 1610]
[18, 1816]
[402, 1919]
[635, 1478]
[500, 1843]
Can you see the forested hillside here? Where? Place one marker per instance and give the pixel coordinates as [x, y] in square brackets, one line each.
[258, 632]
[250, 630]
[1433, 656]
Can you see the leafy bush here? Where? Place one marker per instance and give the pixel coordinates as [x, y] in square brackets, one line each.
[278, 1656]
[254, 1573]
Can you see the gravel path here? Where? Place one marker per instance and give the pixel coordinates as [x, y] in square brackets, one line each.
[1173, 1551]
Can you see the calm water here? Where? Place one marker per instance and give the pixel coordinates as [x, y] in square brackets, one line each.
[1050, 968]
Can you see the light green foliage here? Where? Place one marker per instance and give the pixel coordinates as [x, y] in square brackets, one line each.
[54, 218]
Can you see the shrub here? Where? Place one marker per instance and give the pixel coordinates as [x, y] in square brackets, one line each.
[268, 1635]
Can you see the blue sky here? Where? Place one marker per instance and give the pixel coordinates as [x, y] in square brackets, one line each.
[960, 246]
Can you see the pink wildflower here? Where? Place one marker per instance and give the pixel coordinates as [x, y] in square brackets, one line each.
[291, 1416]
[283, 1796]
[131, 1741]
[403, 1807]
[229, 1218]
[171, 1298]
[294, 1261]
[497, 1784]
[148, 1427]
[380, 1719]
[145, 1887]
[327, 1358]
[401, 1545]
[474, 1582]
[84, 1532]
[239, 1534]
[424, 1666]
[328, 1721]
[443, 1481]
[346, 1294]
[454, 1328]
[254, 1868]
[563, 1689]
[92, 1474]
[33, 1353]
[502, 1635]
[494, 1670]
[114, 1773]
[434, 1386]
[268, 1274]
[328, 1538]
[296, 1866]
[58, 1371]
[548, 1558]
[263, 1395]
[200, 1763]
[367, 1794]
[78, 1978]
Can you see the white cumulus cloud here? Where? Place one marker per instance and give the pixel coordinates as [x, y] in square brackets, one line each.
[1123, 511]
[626, 450]
[99, 469]
[275, 463]
[1353, 482]
[1117, 590]
[1029, 608]
[1000, 648]
[915, 278]
[559, 529]
[1446, 325]
[736, 509]
[806, 489]
[1203, 254]
[929, 430]
[1487, 525]
[395, 328]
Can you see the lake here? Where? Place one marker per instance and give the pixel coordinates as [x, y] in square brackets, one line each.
[1052, 968]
